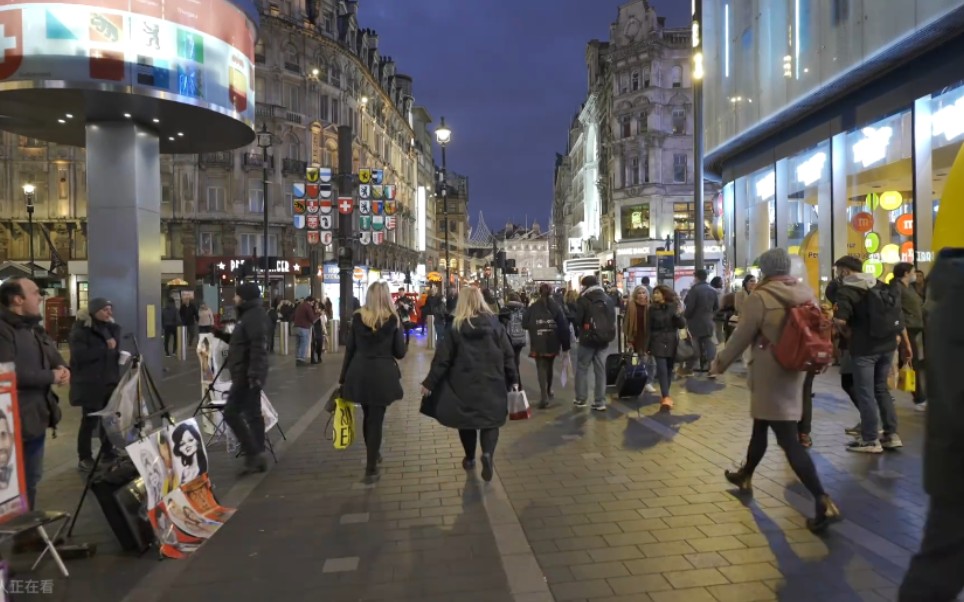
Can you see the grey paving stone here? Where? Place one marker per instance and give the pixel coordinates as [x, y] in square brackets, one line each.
[340, 565]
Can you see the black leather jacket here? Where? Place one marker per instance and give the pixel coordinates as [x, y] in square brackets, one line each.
[248, 346]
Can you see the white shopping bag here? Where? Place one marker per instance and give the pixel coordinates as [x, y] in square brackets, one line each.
[519, 406]
[566, 369]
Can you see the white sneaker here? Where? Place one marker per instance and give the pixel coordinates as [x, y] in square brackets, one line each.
[649, 388]
[891, 441]
[920, 407]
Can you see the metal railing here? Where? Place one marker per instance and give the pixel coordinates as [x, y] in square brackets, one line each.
[218, 159]
[294, 166]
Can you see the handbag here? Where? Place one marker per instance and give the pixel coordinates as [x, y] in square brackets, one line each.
[907, 379]
[344, 424]
[685, 350]
[519, 408]
[429, 404]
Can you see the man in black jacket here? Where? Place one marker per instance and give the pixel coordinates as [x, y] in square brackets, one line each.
[596, 320]
[39, 367]
[95, 366]
[248, 364]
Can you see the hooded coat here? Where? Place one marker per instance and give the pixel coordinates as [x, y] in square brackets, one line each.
[548, 328]
[94, 367]
[775, 393]
[370, 374]
[472, 372]
[247, 360]
[584, 313]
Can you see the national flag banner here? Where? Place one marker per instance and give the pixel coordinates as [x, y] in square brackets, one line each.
[11, 36]
[378, 207]
[378, 223]
[300, 207]
[365, 207]
[345, 205]
[311, 191]
[364, 191]
[299, 221]
[389, 192]
[391, 207]
[298, 190]
[377, 176]
[324, 174]
[378, 191]
[365, 222]
[365, 238]
[364, 175]
[313, 205]
[326, 205]
[325, 191]
[378, 237]
[326, 221]
[314, 237]
[390, 222]
[313, 222]
[326, 237]
[311, 175]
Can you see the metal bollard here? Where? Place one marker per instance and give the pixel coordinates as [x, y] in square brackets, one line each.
[182, 341]
[430, 331]
[284, 338]
[333, 329]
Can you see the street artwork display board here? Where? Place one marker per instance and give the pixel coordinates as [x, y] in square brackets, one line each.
[313, 206]
[180, 502]
[13, 488]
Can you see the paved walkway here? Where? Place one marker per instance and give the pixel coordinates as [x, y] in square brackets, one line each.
[624, 506]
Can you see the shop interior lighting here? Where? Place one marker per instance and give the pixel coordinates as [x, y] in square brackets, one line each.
[69, 116]
[766, 187]
[811, 170]
[948, 121]
[156, 120]
[872, 148]
[61, 121]
[127, 115]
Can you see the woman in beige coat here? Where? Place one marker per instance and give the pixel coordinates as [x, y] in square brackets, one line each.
[776, 401]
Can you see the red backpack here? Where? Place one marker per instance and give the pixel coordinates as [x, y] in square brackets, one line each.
[804, 344]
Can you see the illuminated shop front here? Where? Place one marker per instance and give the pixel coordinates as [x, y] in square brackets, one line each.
[843, 159]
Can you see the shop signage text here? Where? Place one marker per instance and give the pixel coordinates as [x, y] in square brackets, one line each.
[275, 266]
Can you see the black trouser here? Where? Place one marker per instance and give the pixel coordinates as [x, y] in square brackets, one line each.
[847, 384]
[205, 329]
[317, 346]
[800, 461]
[272, 327]
[489, 437]
[243, 414]
[935, 573]
[89, 424]
[544, 369]
[518, 355]
[170, 335]
[806, 422]
[372, 423]
[916, 336]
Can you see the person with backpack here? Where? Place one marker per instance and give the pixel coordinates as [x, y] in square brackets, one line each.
[513, 318]
[596, 323]
[869, 312]
[548, 333]
[776, 401]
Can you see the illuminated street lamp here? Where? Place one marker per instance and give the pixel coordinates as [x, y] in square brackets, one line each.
[443, 135]
[265, 139]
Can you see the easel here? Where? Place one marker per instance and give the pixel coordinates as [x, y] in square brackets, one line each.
[147, 390]
[207, 407]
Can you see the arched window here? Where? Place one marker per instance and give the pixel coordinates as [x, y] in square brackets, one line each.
[293, 148]
[292, 58]
[676, 76]
[635, 81]
[259, 51]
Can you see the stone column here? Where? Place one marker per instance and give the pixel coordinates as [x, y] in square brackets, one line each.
[189, 252]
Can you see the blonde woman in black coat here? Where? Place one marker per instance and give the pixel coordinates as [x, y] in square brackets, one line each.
[370, 375]
[472, 372]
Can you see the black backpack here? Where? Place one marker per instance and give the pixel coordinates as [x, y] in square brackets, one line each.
[600, 324]
[884, 318]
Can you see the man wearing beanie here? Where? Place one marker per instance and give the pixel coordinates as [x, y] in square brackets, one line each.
[94, 364]
[248, 364]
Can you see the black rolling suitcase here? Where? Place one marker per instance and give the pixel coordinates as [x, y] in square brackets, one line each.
[615, 361]
[122, 496]
[632, 377]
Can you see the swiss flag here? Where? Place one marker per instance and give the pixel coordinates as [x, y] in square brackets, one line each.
[11, 41]
[345, 205]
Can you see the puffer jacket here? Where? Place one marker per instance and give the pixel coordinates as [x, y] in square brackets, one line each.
[547, 327]
[665, 323]
[94, 367]
[248, 345]
[369, 373]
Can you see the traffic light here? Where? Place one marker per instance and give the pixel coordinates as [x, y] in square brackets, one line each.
[510, 266]
[500, 260]
[677, 244]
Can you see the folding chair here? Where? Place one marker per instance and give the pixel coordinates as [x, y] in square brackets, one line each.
[35, 521]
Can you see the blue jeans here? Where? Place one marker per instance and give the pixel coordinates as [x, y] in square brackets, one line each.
[33, 466]
[664, 373]
[440, 326]
[304, 343]
[873, 394]
[585, 356]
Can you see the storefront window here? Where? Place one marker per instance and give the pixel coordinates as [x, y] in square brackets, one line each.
[946, 121]
[635, 221]
[880, 194]
[684, 220]
[760, 215]
[806, 185]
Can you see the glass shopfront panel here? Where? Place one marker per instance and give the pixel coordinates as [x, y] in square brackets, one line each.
[760, 224]
[805, 187]
[941, 120]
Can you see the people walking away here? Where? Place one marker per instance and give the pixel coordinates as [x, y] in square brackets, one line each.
[702, 303]
[95, 369]
[912, 309]
[665, 320]
[935, 573]
[775, 393]
[274, 316]
[596, 320]
[548, 334]
[636, 328]
[319, 330]
[205, 319]
[471, 374]
[805, 426]
[450, 303]
[405, 307]
[39, 367]
[717, 284]
[645, 283]
[370, 375]
[304, 319]
[170, 318]
[247, 362]
[435, 307]
[871, 317]
[513, 318]
[189, 319]
[491, 301]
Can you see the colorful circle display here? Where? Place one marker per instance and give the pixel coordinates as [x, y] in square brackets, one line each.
[905, 224]
[872, 242]
[890, 254]
[863, 222]
[907, 252]
[872, 201]
[891, 200]
[874, 266]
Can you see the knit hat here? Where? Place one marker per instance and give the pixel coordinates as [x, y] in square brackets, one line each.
[775, 262]
[248, 291]
[98, 304]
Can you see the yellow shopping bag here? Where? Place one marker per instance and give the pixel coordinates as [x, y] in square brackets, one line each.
[907, 380]
[344, 424]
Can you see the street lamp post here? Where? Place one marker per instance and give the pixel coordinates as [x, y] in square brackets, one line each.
[28, 193]
[698, 217]
[264, 141]
[443, 135]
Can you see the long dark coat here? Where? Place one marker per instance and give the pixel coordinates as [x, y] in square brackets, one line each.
[472, 372]
[664, 325]
[94, 368]
[370, 374]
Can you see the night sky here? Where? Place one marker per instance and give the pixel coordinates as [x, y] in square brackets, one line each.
[508, 76]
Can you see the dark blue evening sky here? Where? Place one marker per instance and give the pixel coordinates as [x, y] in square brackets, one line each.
[508, 75]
